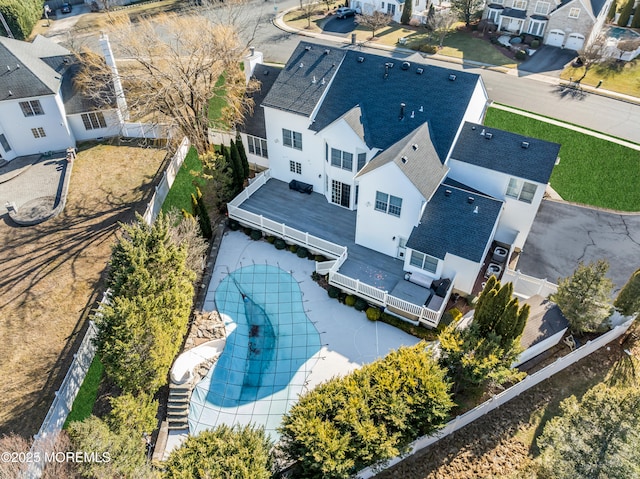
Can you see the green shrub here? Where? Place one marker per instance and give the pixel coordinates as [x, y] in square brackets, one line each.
[311, 255]
[333, 292]
[472, 299]
[315, 276]
[417, 331]
[256, 235]
[21, 16]
[270, 239]
[319, 258]
[302, 252]
[535, 43]
[360, 305]
[521, 55]
[428, 48]
[279, 244]
[233, 224]
[293, 248]
[247, 230]
[455, 313]
[625, 13]
[373, 314]
[494, 40]
[342, 297]
[350, 300]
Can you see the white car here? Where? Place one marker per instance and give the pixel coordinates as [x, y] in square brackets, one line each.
[344, 12]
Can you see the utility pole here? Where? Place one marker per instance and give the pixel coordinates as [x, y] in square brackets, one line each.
[6, 27]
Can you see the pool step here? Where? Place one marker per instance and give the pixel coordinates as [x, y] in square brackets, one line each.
[178, 407]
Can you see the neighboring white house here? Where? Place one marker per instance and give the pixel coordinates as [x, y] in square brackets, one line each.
[419, 8]
[402, 143]
[561, 23]
[40, 110]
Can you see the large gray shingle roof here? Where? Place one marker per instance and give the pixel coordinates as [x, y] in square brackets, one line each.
[450, 224]
[417, 159]
[34, 69]
[266, 75]
[504, 152]
[355, 78]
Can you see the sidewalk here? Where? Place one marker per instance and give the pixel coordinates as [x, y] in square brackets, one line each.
[278, 21]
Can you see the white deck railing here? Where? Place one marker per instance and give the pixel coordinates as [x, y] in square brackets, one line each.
[338, 253]
[527, 286]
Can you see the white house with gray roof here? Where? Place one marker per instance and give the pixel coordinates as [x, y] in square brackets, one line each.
[40, 109]
[401, 145]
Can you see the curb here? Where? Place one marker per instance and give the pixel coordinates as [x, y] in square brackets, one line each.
[279, 23]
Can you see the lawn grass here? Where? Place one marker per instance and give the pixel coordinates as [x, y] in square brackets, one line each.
[621, 77]
[591, 171]
[83, 404]
[185, 183]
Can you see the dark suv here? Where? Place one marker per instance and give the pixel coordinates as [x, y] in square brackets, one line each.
[344, 12]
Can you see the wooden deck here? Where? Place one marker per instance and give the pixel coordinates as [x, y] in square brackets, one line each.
[313, 214]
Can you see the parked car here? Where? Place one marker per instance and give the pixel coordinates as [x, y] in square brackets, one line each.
[66, 8]
[344, 12]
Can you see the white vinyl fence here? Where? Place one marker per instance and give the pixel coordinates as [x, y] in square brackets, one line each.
[500, 399]
[527, 286]
[162, 189]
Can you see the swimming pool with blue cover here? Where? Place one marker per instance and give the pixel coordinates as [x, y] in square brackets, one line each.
[270, 349]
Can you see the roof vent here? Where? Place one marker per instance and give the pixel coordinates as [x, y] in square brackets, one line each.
[452, 77]
[314, 79]
[18, 65]
[10, 93]
[402, 105]
[8, 68]
[307, 48]
[404, 159]
[524, 144]
[327, 51]
[66, 60]
[360, 59]
[470, 199]
[414, 146]
[482, 132]
[389, 64]
[413, 113]
[421, 109]
[266, 72]
[447, 192]
[475, 210]
[488, 135]
[419, 71]
[301, 65]
[405, 65]
[473, 127]
[252, 51]
[322, 81]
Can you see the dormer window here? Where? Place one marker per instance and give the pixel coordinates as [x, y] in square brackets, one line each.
[574, 13]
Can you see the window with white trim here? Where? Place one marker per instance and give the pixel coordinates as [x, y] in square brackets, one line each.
[423, 261]
[574, 13]
[389, 204]
[493, 15]
[342, 159]
[292, 139]
[542, 8]
[520, 4]
[257, 146]
[5, 144]
[536, 27]
[31, 108]
[38, 132]
[499, 2]
[362, 160]
[521, 190]
[295, 167]
[93, 120]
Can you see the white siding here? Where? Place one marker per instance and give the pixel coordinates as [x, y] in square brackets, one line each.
[381, 231]
[475, 110]
[81, 133]
[464, 270]
[538, 348]
[17, 127]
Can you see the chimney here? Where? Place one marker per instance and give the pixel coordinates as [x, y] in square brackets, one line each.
[402, 105]
[252, 51]
[250, 62]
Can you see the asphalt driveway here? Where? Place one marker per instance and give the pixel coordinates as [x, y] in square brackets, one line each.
[547, 60]
[340, 26]
[564, 234]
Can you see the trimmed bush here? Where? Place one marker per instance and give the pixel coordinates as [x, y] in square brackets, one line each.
[256, 235]
[428, 49]
[417, 331]
[233, 225]
[360, 305]
[247, 230]
[535, 43]
[293, 248]
[311, 255]
[279, 244]
[333, 292]
[319, 258]
[373, 314]
[455, 313]
[521, 55]
[350, 300]
[270, 239]
[302, 252]
[625, 14]
[315, 276]
[342, 296]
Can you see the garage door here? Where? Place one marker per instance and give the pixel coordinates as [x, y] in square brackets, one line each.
[575, 41]
[555, 38]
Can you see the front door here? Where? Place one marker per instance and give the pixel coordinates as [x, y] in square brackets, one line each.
[340, 193]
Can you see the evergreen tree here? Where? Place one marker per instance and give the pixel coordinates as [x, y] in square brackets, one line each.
[611, 14]
[466, 8]
[241, 452]
[407, 11]
[133, 414]
[220, 176]
[595, 437]
[625, 14]
[635, 23]
[203, 215]
[236, 162]
[628, 300]
[584, 297]
[243, 156]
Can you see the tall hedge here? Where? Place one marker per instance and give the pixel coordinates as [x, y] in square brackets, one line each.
[370, 415]
[21, 16]
[635, 23]
[625, 14]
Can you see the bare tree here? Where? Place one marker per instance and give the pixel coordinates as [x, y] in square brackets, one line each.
[593, 53]
[375, 22]
[308, 8]
[175, 66]
[441, 23]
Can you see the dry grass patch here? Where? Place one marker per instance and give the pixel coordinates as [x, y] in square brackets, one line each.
[49, 274]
